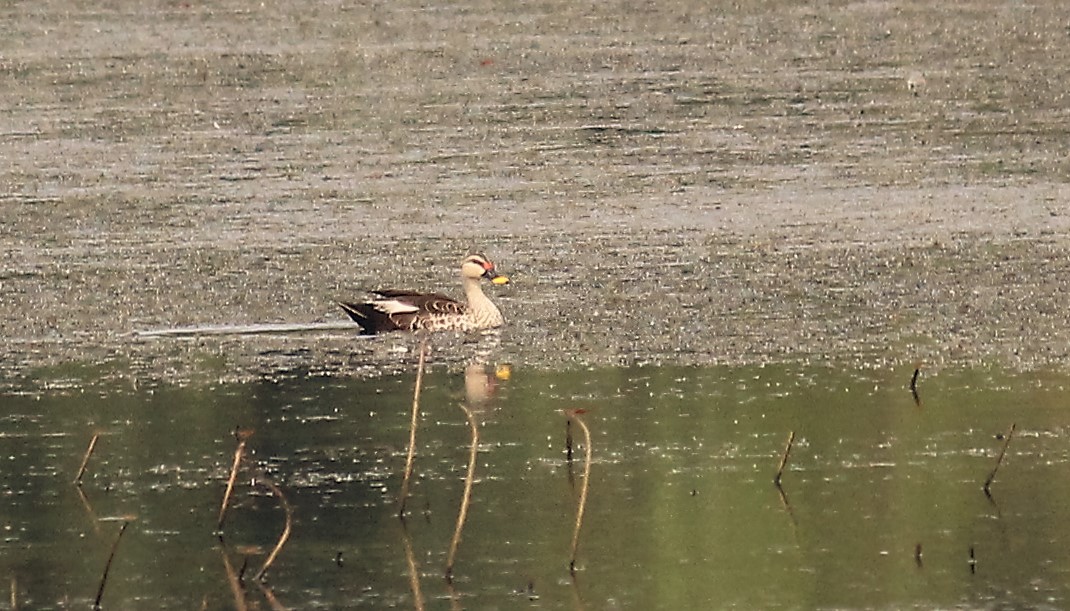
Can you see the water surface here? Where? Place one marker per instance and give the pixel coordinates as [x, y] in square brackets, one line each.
[681, 194]
[682, 511]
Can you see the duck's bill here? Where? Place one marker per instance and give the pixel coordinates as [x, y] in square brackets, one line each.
[500, 279]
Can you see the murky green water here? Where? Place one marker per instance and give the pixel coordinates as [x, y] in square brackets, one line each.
[681, 514]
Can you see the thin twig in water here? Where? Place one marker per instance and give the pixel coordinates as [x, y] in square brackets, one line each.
[404, 496]
[107, 565]
[85, 459]
[239, 452]
[462, 514]
[575, 415]
[784, 458]
[914, 385]
[568, 440]
[285, 531]
[999, 459]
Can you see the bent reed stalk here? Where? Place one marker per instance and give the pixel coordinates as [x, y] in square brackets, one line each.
[285, 531]
[575, 415]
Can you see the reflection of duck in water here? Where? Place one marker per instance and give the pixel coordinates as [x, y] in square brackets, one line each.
[395, 310]
[480, 384]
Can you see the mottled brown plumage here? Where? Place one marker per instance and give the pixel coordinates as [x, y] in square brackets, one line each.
[399, 310]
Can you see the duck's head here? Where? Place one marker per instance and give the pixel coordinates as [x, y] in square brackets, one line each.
[478, 266]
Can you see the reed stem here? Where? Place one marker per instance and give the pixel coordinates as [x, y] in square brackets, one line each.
[784, 458]
[914, 385]
[583, 491]
[999, 459]
[411, 455]
[85, 459]
[285, 531]
[568, 440]
[239, 452]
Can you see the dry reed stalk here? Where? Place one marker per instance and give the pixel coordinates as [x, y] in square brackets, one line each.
[285, 531]
[466, 499]
[410, 457]
[107, 565]
[784, 458]
[85, 459]
[575, 415]
[999, 459]
[239, 452]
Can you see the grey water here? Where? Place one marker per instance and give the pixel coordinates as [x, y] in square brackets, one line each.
[881, 504]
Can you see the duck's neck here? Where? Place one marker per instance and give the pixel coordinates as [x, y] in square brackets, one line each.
[482, 308]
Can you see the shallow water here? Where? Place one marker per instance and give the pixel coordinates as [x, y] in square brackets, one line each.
[681, 513]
